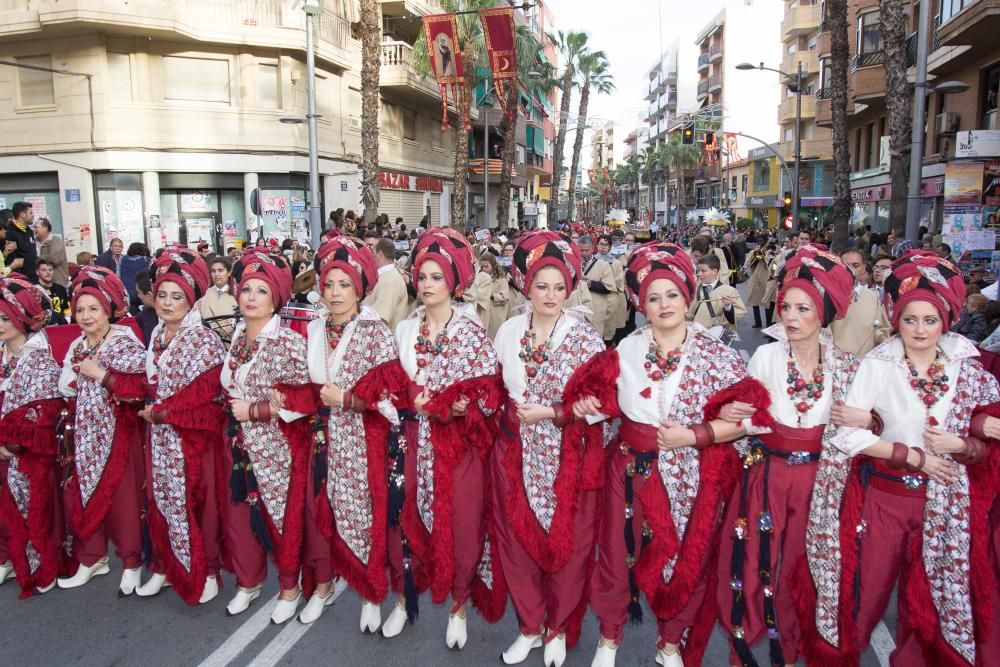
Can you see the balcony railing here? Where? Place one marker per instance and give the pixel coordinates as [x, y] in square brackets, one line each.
[702, 88]
[703, 60]
[911, 47]
[714, 81]
[868, 59]
[714, 50]
[397, 53]
[824, 94]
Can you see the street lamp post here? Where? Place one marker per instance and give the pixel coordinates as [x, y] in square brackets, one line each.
[795, 80]
[312, 8]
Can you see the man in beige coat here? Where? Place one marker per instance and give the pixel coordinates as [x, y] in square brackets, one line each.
[600, 280]
[716, 303]
[389, 298]
[866, 323]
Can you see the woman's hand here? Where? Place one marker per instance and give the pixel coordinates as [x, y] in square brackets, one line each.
[460, 407]
[420, 401]
[147, 414]
[331, 395]
[587, 407]
[240, 409]
[942, 442]
[93, 370]
[532, 413]
[5, 454]
[935, 467]
[845, 415]
[277, 400]
[671, 435]
[736, 412]
[991, 428]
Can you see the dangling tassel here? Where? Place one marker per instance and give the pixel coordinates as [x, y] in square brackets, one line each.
[397, 474]
[409, 585]
[639, 465]
[445, 125]
[319, 425]
[257, 523]
[147, 538]
[238, 486]
[740, 533]
[766, 526]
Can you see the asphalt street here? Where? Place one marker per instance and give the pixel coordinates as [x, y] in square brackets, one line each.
[92, 626]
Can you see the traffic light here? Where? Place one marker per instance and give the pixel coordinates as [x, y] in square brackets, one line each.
[788, 199]
[687, 136]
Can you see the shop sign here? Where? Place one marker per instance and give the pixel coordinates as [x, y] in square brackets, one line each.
[391, 180]
[977, 143]
[762, 202]
[817, 202]
[932, 187]
[877, 193]
[72, 195]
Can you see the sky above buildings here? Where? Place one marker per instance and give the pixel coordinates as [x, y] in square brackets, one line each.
[633, 33]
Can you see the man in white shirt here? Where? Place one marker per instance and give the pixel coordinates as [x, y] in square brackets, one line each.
[716, 303]
[389, 298]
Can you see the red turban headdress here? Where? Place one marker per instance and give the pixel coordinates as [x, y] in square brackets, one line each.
[924, 276]
[540, 248]
[821, 275]
[103, 285]
[452, 252]
[185, 269]
[272, 269]
[26, 305]
[352, 257]
[654, 260]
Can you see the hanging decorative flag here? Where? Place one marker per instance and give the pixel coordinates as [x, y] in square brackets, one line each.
[498, 30]
[441, 32]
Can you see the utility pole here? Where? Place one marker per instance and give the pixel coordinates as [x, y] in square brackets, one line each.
[315, 214]
[798, 147]
[917, 127]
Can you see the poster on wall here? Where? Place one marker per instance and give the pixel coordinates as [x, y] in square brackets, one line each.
[171, 230]
[196, 202]
[991, 184]
[128, 206]
[963, 184]
[199, 230]
[37, 206]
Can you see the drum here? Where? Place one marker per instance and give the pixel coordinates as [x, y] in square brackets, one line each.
[297, 316]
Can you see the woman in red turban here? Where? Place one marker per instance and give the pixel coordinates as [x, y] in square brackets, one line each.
[103, 379]
[667, 476]
[547, 467]
[185, 410]
[266, 381]
[353, 361]
[30, 404]
[764, 534]
[909, 502]
[439, 538]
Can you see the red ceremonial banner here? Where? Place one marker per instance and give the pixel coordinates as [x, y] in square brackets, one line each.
[445, 53]
[498, 31]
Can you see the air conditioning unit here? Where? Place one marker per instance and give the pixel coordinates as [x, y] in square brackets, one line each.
[355, 122]
[993, 120]
[947, 123]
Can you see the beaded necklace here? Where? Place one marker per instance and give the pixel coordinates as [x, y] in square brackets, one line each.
[931, 390]
[242, 351]
[533, 355]
[426, 350]
[81, 352]
[8, 366]
[160, 345]
[804, 394]
[334, 331]
[658, 365]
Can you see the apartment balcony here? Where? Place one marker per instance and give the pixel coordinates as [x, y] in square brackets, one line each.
[811, 148]
[824, 111]
[703, 61]
[786, 110]
[714, 83]
[809, 60]
[975, 26]
[800, 21]
[703, 88]
[268, 23]
[715, 52]
[399, 79]
[867, 76]
[823, 42]
[411, 7]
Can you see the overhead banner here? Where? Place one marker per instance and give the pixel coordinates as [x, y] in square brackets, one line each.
[498, 31]
[445, 52]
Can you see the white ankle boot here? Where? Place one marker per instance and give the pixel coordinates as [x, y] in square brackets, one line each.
[395, 623]
[6, 571]
[669, 659]
[85, 574]
[315, 607]
[371, 617]
[131, 578]
[241, 601]
[518, 652]
[457, 633]
[153, 586]
[210, 591]
[285, 609]
[555, 651]
[605, 656]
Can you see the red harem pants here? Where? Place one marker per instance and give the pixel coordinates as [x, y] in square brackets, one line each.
[468, 520]
[123, 522]
[542, 600]
[315, 547]
[4, 554]
[248, 556]
[207, 516]
[609, 587]
[789, 488]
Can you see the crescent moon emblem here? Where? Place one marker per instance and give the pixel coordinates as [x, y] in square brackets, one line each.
[504, 63]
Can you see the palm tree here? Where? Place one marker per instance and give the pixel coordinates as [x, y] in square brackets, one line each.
[371, 63]
[649, 163]
[897, 101]
[674, 154]
[572, 45]
[840, 55]
[595, 76]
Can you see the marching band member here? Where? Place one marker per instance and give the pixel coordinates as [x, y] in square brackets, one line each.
[759, 262]
[666, 482]
[764, 534]
[546, 468]
[716, 303]
[599, 279]
[909, 504]
[440, 540]
[187, 420]
[266, 380]
[103, 379]
[30, 407]
[353, 359]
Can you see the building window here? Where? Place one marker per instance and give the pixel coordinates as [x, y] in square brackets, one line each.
[202, 80]
[119, 77]
[268, 96]
[762, 176]
[869, 34]
[409, 124]
[950, 8]
[825, 74]
[519, 154]
[34, 87]
[744, 182]
[991, 90]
